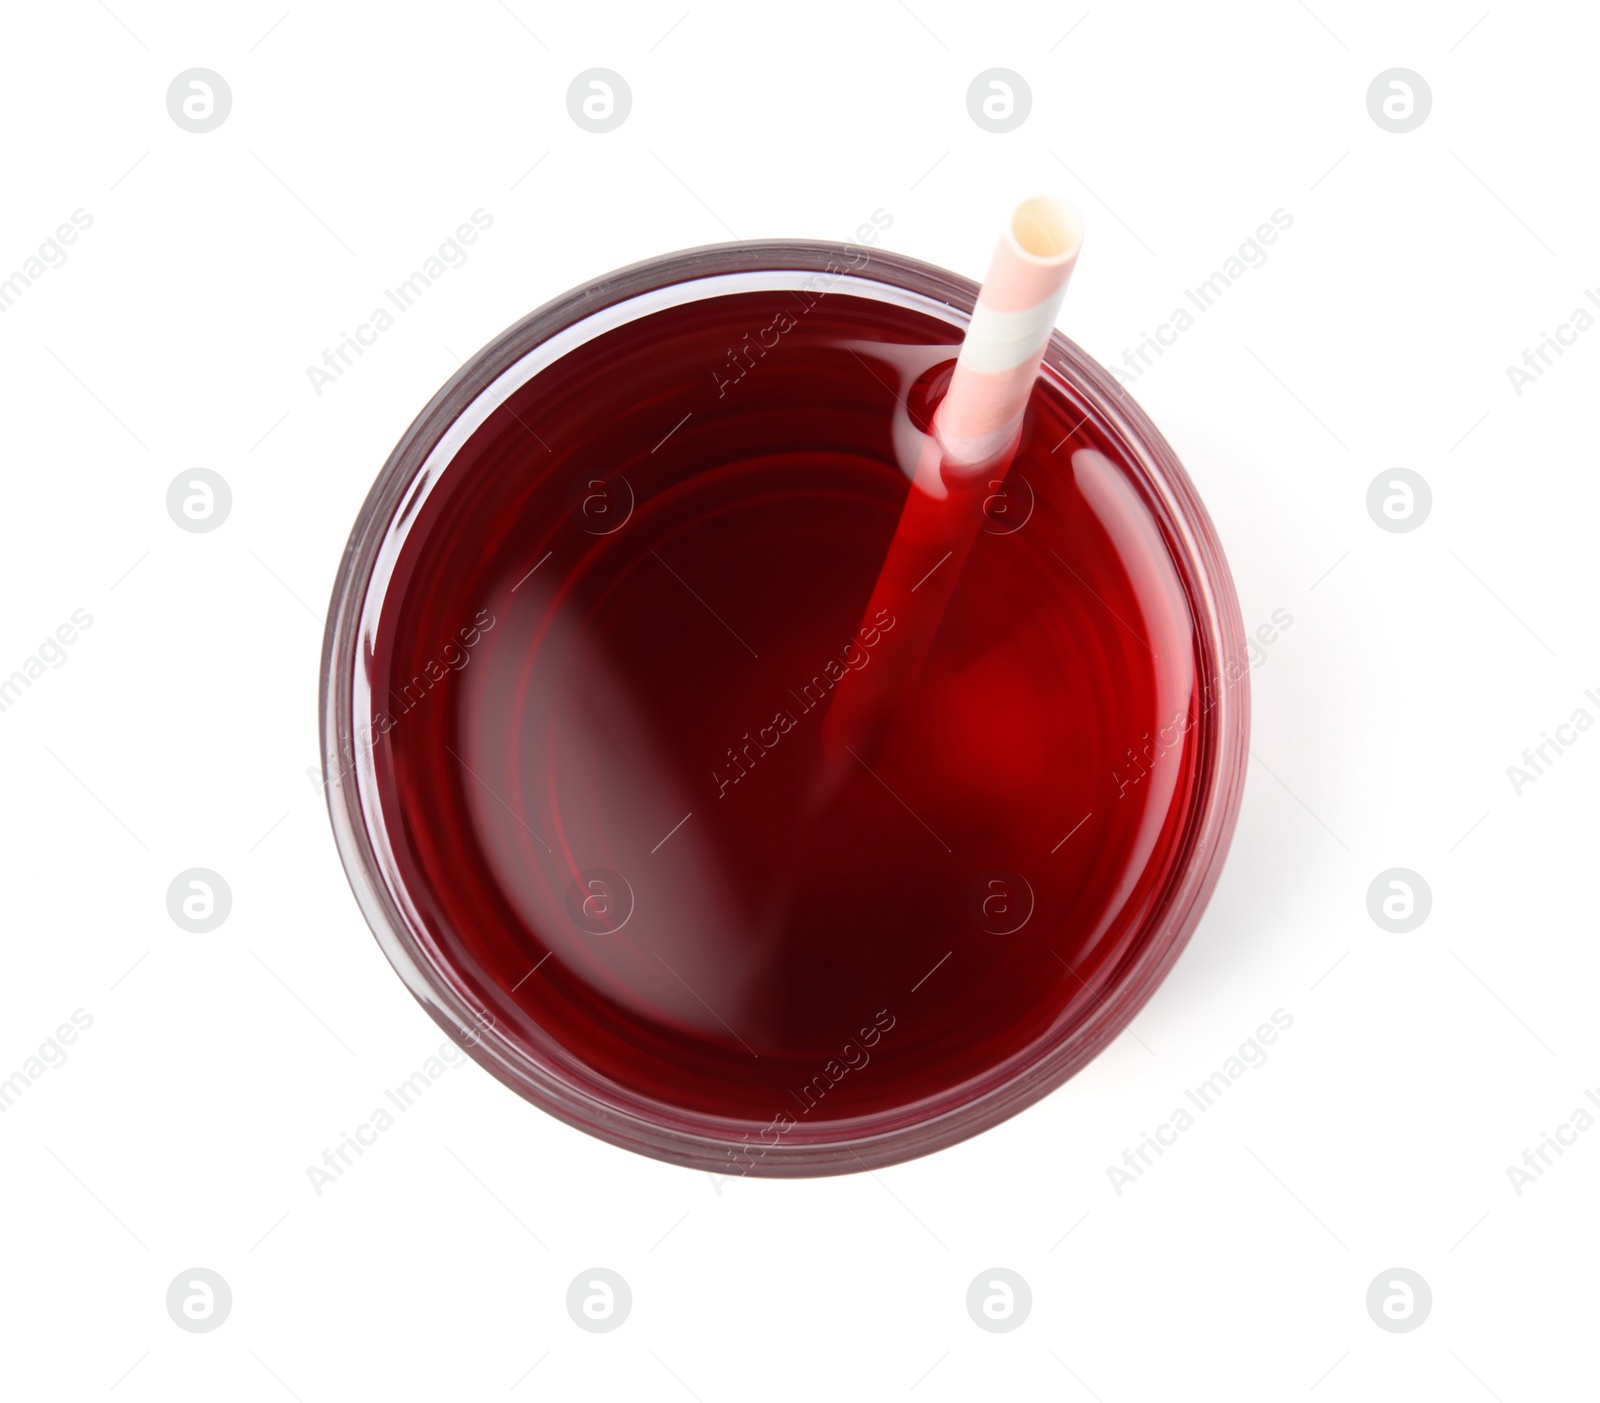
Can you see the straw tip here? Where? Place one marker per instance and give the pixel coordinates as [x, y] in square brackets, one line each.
[1047, 229]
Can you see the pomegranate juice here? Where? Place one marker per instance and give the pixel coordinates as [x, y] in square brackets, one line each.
[599, 681]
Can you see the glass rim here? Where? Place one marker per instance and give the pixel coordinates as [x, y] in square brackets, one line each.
[666, 1132]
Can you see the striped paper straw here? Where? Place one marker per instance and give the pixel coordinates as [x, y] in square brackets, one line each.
[1011, 325]
[975, 433]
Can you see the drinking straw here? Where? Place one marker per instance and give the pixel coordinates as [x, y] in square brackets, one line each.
[964, 459]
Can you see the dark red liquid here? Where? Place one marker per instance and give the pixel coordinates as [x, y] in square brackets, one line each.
[669, 655]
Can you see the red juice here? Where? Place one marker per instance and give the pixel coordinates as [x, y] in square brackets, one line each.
[598, 681]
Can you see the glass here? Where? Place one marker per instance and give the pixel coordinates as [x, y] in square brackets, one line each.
[572, 676]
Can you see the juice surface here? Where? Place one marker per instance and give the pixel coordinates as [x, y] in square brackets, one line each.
[601, 674]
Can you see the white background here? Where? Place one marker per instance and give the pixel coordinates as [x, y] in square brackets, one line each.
[179, 731]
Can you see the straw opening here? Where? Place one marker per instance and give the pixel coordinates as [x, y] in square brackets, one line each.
[1046, 228]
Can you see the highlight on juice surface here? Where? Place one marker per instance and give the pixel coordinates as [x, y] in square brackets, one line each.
[784, 706]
